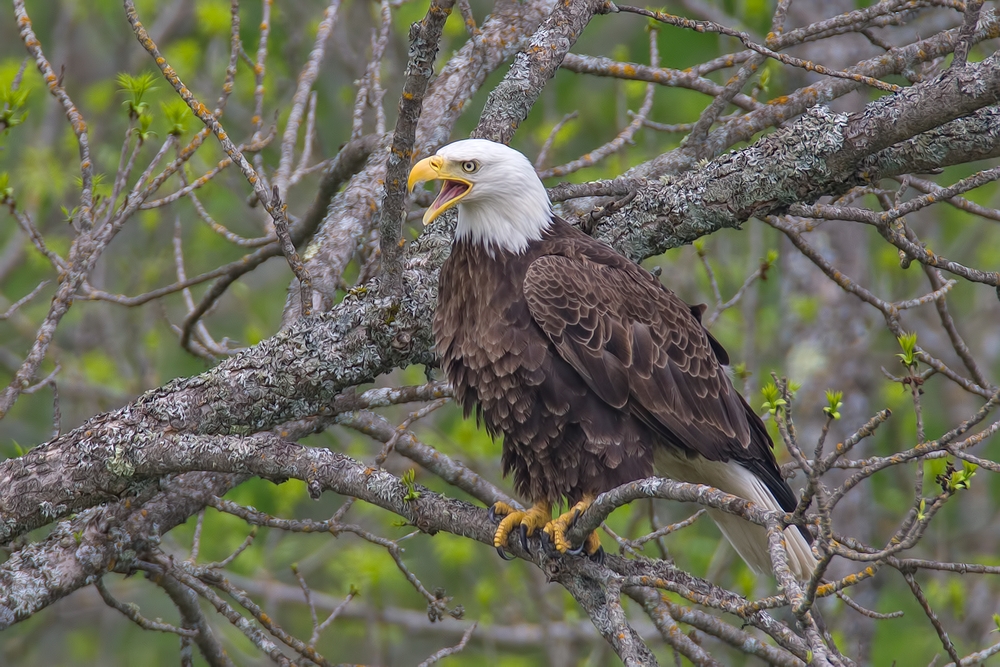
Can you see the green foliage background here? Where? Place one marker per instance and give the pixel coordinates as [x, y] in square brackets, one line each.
[110, 354]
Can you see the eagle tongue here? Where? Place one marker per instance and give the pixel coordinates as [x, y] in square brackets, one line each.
[449, 191]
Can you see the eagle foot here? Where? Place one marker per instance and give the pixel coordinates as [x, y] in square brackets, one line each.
[526, 523]
[498, 510]
[503, 554]
[591, 547]
[556, 530]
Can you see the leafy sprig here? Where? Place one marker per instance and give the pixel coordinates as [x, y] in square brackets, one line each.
[6, 191]
[908, 343]
[772, 398]
[136, 87]
[145, 121]
[962, 479]
[411, 489]
[13, 101]
[834, 400]
[178, 114]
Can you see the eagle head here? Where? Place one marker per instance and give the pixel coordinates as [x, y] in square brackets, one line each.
[501, 201]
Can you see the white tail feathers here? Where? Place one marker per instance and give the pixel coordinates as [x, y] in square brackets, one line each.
[749, 540]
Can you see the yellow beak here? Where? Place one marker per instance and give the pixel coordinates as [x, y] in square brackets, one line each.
[455, 187]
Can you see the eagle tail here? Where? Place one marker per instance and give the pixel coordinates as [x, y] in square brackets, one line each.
[749, 540]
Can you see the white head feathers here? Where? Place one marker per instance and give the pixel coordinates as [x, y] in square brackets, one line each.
[501, 202]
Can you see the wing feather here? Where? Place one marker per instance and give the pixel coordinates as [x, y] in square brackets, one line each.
[637, 344]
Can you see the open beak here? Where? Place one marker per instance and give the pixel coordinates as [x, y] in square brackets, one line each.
[453, 189]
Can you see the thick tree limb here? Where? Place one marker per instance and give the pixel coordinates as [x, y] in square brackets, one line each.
[299, 371]
[217, 420]
[78, 551]
[955, 93]
[792, 165]
[267, 456]
[512, 99]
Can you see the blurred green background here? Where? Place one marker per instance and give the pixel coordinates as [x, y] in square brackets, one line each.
[794, 323]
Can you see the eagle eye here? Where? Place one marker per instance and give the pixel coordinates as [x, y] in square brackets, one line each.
[470, 166]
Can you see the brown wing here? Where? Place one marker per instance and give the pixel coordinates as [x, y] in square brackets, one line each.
[636, 344]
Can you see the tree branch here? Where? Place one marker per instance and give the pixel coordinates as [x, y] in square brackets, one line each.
[76, 551]
[305, 366]
[424, 40]
[512, 99]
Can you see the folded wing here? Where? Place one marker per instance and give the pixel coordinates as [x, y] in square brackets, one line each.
[641, 348]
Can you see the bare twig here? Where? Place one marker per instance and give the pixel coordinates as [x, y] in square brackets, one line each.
[445, 652]
[207, 118]
[225, 562]
[288, 248]
[131, 612]
[23, 300]
[624, 137]
[301, 97]
[972, 10]
[406, 424]
[264, 644]
[543, 153]
[709, 26]
[925, 605]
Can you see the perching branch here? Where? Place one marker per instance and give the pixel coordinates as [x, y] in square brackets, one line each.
[115, 484]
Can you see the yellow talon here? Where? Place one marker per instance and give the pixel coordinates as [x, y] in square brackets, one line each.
[501, 509]
[533, 519]
[556, 529]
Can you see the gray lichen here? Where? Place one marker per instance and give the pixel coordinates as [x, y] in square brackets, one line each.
[298, 372]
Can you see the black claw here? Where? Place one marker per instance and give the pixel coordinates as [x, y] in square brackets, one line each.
[598, 556]
[547, 543]
[524, 537]
[503, 554]
[492, 514]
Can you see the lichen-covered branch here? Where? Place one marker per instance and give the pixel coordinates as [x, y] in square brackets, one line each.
[305, 366]
[82, 549]
[112, 487]
[512, 99]
[419, 69]
[791, 165]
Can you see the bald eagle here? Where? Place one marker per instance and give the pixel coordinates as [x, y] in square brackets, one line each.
[594, 373]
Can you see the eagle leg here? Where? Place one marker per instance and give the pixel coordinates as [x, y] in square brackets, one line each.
[526, 523]
[556, 530]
